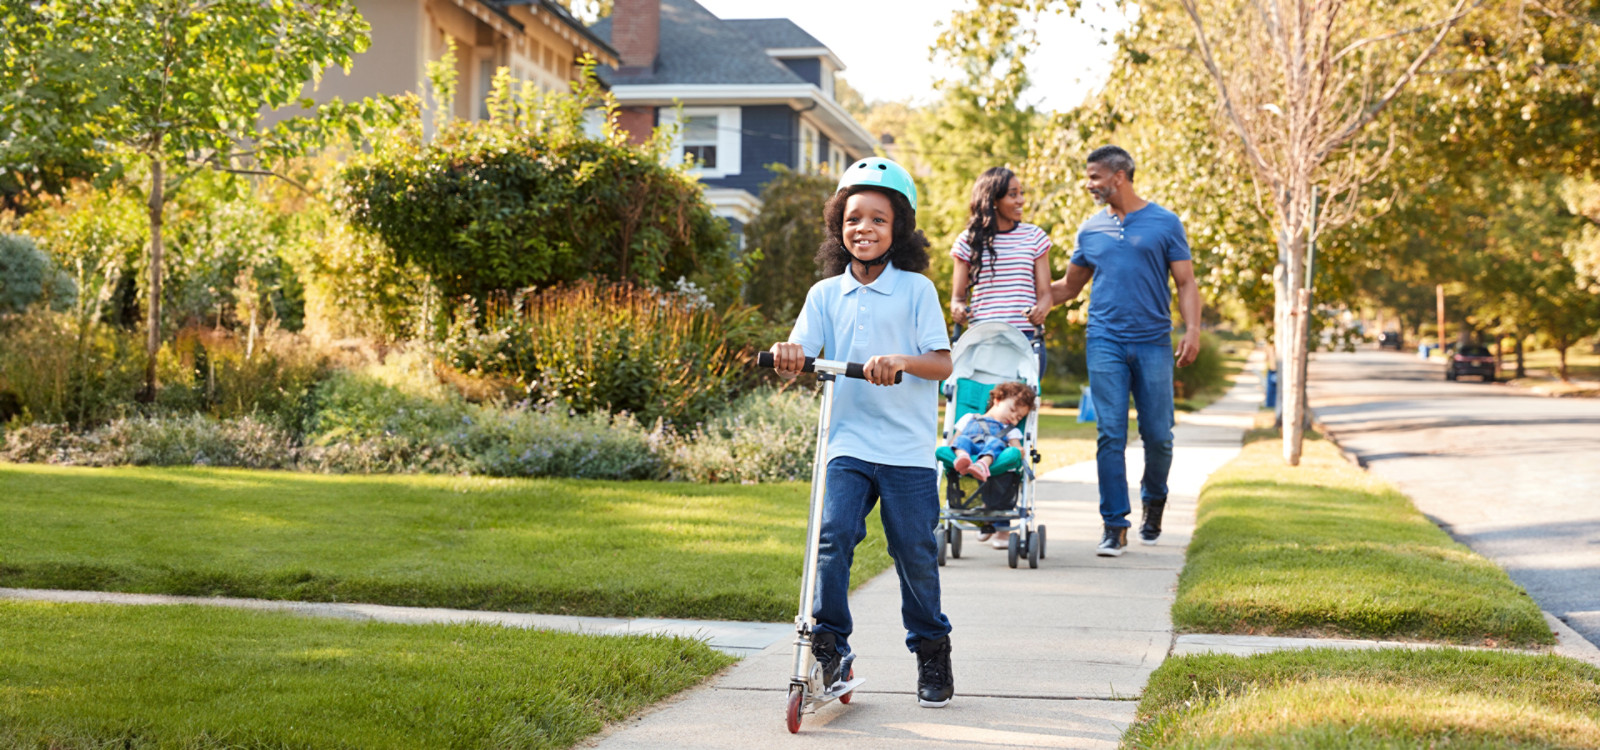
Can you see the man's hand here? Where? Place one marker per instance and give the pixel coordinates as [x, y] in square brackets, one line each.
[1188, 348]
[1037, 314]
[880, 370]
[788, 359]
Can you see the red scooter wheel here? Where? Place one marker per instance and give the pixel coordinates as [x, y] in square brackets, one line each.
[797, 697]
[845, 699]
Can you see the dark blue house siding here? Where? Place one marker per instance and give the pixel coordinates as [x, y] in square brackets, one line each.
[771, 134]
[808, 68]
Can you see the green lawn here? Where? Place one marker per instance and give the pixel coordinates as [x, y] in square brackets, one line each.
[1390, 698]
[1326, 549]
[553, 546]
[102, 676]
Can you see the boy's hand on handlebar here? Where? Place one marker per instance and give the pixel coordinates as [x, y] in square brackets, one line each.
[880, 370]
[788, 359]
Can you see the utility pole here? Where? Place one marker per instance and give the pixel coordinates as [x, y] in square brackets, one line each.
[1438, 293]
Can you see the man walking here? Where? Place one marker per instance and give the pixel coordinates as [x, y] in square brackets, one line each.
[1129, 249]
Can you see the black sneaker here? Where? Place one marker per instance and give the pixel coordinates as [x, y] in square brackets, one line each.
[1150, 530]
[825, 647]
[1112, 544]
[935, 684]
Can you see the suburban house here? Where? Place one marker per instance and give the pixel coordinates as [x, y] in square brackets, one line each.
[750, 93]
[536, 40]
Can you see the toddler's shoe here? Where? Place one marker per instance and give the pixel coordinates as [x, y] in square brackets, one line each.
[963, 465]
[980, 470]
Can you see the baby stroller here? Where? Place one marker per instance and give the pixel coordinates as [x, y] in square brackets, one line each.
[985, 356]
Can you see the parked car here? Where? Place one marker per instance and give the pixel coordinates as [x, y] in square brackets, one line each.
[1389, 340]
[1471, 359]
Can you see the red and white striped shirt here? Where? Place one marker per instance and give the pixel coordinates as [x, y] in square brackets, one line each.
[1006, 287]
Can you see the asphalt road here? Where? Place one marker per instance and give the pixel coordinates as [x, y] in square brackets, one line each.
[1515, 477]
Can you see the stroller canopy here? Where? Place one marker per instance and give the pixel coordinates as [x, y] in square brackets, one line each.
[994, 353]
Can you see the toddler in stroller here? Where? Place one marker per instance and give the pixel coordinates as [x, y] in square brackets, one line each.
[991, 428]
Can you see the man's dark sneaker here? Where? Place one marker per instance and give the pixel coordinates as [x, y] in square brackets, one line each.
[825, 647]
[935, 684]
[1150, 530]
[1112, 544]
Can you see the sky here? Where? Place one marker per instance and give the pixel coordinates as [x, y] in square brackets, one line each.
[884, 45]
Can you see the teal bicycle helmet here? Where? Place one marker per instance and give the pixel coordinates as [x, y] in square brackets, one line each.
[880, 172]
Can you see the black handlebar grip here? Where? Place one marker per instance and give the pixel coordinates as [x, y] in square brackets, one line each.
[851, 369]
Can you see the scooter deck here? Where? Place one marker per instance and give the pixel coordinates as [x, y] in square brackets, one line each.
[834, 693]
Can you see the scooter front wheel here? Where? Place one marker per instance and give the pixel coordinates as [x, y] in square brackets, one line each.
[797, 699]
[845, 699]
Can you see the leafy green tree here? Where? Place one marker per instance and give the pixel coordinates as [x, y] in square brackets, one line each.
[786, 233]
[528, 199]
[172, 85]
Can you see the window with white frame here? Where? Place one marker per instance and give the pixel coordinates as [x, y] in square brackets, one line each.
[700, 139]
[809, 157]
[837, 159]
[712, 135]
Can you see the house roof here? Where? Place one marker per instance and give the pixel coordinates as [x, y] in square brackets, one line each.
[696, 47]
[775, 33]
[561, 14]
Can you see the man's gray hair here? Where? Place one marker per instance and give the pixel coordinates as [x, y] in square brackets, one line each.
[1114, 158]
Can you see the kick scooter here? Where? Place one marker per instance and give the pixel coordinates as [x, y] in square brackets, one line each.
[806, 691]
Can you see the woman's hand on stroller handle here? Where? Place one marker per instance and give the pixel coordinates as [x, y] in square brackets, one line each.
[784, 356]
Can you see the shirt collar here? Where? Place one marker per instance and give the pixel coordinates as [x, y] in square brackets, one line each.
[884, 284]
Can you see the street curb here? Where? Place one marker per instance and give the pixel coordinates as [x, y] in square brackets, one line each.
[1570, 644]
[1322, 429]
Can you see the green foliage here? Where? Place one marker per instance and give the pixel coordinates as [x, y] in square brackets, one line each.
[28, 276]
[786, 235]
[528, 199]
[1206, 374]
[97, 236]
[607, 348]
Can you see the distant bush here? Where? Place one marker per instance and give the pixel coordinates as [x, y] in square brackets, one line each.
[193, 440]
[1205, 373]
[28, 275]
[768, 435]
[58, 370]
[602, 348]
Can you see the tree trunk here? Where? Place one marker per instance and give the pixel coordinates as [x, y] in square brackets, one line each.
[1294, 406]
[1561, 351]
[153, 308]
[1522, 371]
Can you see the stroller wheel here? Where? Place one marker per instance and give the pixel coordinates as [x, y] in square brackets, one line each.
[955, 541]
[1040, 536]
[1034, 549]
[1013, 548]
[942, 542]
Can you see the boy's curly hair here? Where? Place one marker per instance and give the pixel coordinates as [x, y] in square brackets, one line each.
[1011, 392]
[908, 250]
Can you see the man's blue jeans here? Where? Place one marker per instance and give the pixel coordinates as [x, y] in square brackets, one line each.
[1145, 370]
[910, 513]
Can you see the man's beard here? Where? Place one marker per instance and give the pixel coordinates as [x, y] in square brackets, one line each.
[1101, 197]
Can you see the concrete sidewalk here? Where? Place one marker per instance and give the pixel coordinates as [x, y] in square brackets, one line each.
[1049, 658]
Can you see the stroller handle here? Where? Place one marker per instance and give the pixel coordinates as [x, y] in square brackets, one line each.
[848, 369]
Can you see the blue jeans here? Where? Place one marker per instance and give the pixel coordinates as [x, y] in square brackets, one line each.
[1145, 370]
[983, 446]
[910, 513]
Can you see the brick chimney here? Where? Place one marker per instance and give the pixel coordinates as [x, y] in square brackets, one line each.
[636, 34]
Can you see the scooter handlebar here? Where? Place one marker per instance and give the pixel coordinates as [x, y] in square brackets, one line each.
[848, 369]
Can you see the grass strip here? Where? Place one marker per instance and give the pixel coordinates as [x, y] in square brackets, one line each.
[577, 547]
[1326, 549]
[1387, 698]
[97, 676]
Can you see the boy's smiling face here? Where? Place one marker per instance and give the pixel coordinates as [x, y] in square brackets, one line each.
[868, 225]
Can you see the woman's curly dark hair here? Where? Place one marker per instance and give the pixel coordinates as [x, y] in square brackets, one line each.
[983, 222]
[1012, 391]
[908, 249]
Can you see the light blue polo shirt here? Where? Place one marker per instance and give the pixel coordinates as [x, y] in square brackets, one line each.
[1130, 301]
[898, 313]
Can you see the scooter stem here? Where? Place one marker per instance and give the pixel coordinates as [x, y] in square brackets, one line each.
[819, 488]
